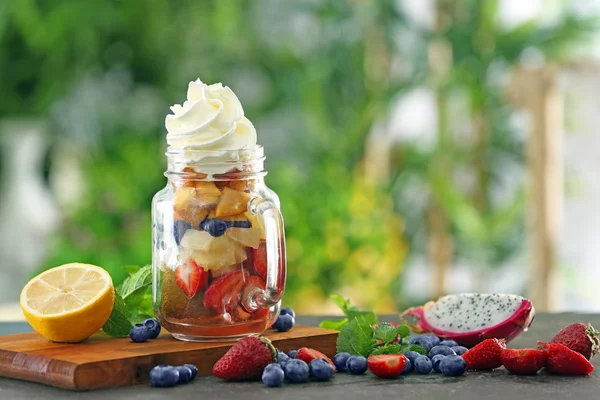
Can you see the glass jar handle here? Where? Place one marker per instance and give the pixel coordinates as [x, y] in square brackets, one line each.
[272, 222]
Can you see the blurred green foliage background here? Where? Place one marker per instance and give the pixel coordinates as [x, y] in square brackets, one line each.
[315, 77]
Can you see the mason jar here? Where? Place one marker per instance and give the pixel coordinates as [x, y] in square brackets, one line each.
[218, 258]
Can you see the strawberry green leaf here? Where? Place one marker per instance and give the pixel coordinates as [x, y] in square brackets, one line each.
[387, 349]
[385, 332]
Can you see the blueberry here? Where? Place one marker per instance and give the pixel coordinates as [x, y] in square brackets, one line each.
[445, 350]
[423, 341]
[192, 368]
[459, 350]
[240, 224]
[340, 360]
[292, 353]
[320, 369]
[214, 226]
[432, 338]
[273, 365]
[282, 358]
[453, 366]
[296, 371]
[408, 367]
[273, 377]
[411, 355]
[284, 323]
[185, 374]
[139, 333]
[153, 327]
[449, 343]
[436, 360]
[179, 229]
[287, 311]
[423, 365]
[164, 376]
[356, 365]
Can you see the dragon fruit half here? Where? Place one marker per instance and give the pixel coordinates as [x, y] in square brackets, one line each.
[470, 318]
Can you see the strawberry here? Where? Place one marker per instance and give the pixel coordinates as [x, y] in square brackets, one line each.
[307, 355]
[579, 337]
[225, 292]
[246, 359]
[523, 361]
[486, 355]
[395, 325]
[259, 258]
[564, 361]
[191, 278]
[387, 365]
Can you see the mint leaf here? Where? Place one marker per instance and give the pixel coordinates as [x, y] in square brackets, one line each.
[387, 349]
[363, 317]
[140, 305]
[336, 325]
[414, 347]
[118, 323]
[137, 281]
[356, 338]
[132, 269]
[403, 331]
[341, 302]
[385, 332]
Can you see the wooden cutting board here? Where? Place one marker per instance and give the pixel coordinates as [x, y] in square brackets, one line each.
[102, 362]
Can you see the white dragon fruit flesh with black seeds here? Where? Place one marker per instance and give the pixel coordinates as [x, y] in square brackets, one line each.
[470, 318]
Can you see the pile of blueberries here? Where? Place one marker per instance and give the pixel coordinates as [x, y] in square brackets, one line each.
[286, 320]
[296, 371]
[149, 329]
[169, 376]
[444, 356]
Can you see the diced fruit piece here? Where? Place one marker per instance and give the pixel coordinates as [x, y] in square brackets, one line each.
[284, 323]
[211, 252]
[246, 359]
[523, 361]
[139, 333]
[486, 355]
[297, 371]
[357, 365]
[176, 304]
[219, 294]
[387, 365]
[188, 208]
[207, 189]
[256, 222]
[242, 315]
[153, 327]
[225, 270]
[307, 355]
[467, 318]
[320, 370]
[273, 377]
[191, 277]
[68, 315]
[340, 360]
[422, 365]
[232, 202]
[564, 361]
[453, 366]
[164, 376]
[581, 338]
[249, 237]
[259, 260]
[185, 374]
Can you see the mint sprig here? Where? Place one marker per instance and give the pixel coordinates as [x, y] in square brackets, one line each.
[133, 301]
[356, 338]
[351, 312]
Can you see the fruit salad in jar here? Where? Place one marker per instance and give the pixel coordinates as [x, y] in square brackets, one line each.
[218, 239]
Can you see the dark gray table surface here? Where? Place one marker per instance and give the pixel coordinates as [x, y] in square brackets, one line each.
[474, 385]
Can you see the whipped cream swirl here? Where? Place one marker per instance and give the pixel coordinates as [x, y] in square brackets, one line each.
[212, 118]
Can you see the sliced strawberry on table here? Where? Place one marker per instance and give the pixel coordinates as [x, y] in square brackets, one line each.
[191, 277]
[307, 355]
[564, 361]
[387, 365]
[579, 337]
[246, 359]
[523, 361]
[486, 356]
[219, 294]
[259, 259]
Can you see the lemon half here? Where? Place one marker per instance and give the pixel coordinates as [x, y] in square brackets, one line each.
[68, 303]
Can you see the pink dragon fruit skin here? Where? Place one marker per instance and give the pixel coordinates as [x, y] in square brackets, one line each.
[510, 327]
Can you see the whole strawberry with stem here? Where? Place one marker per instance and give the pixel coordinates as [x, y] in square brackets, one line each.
[246, 359]
[581, 338]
